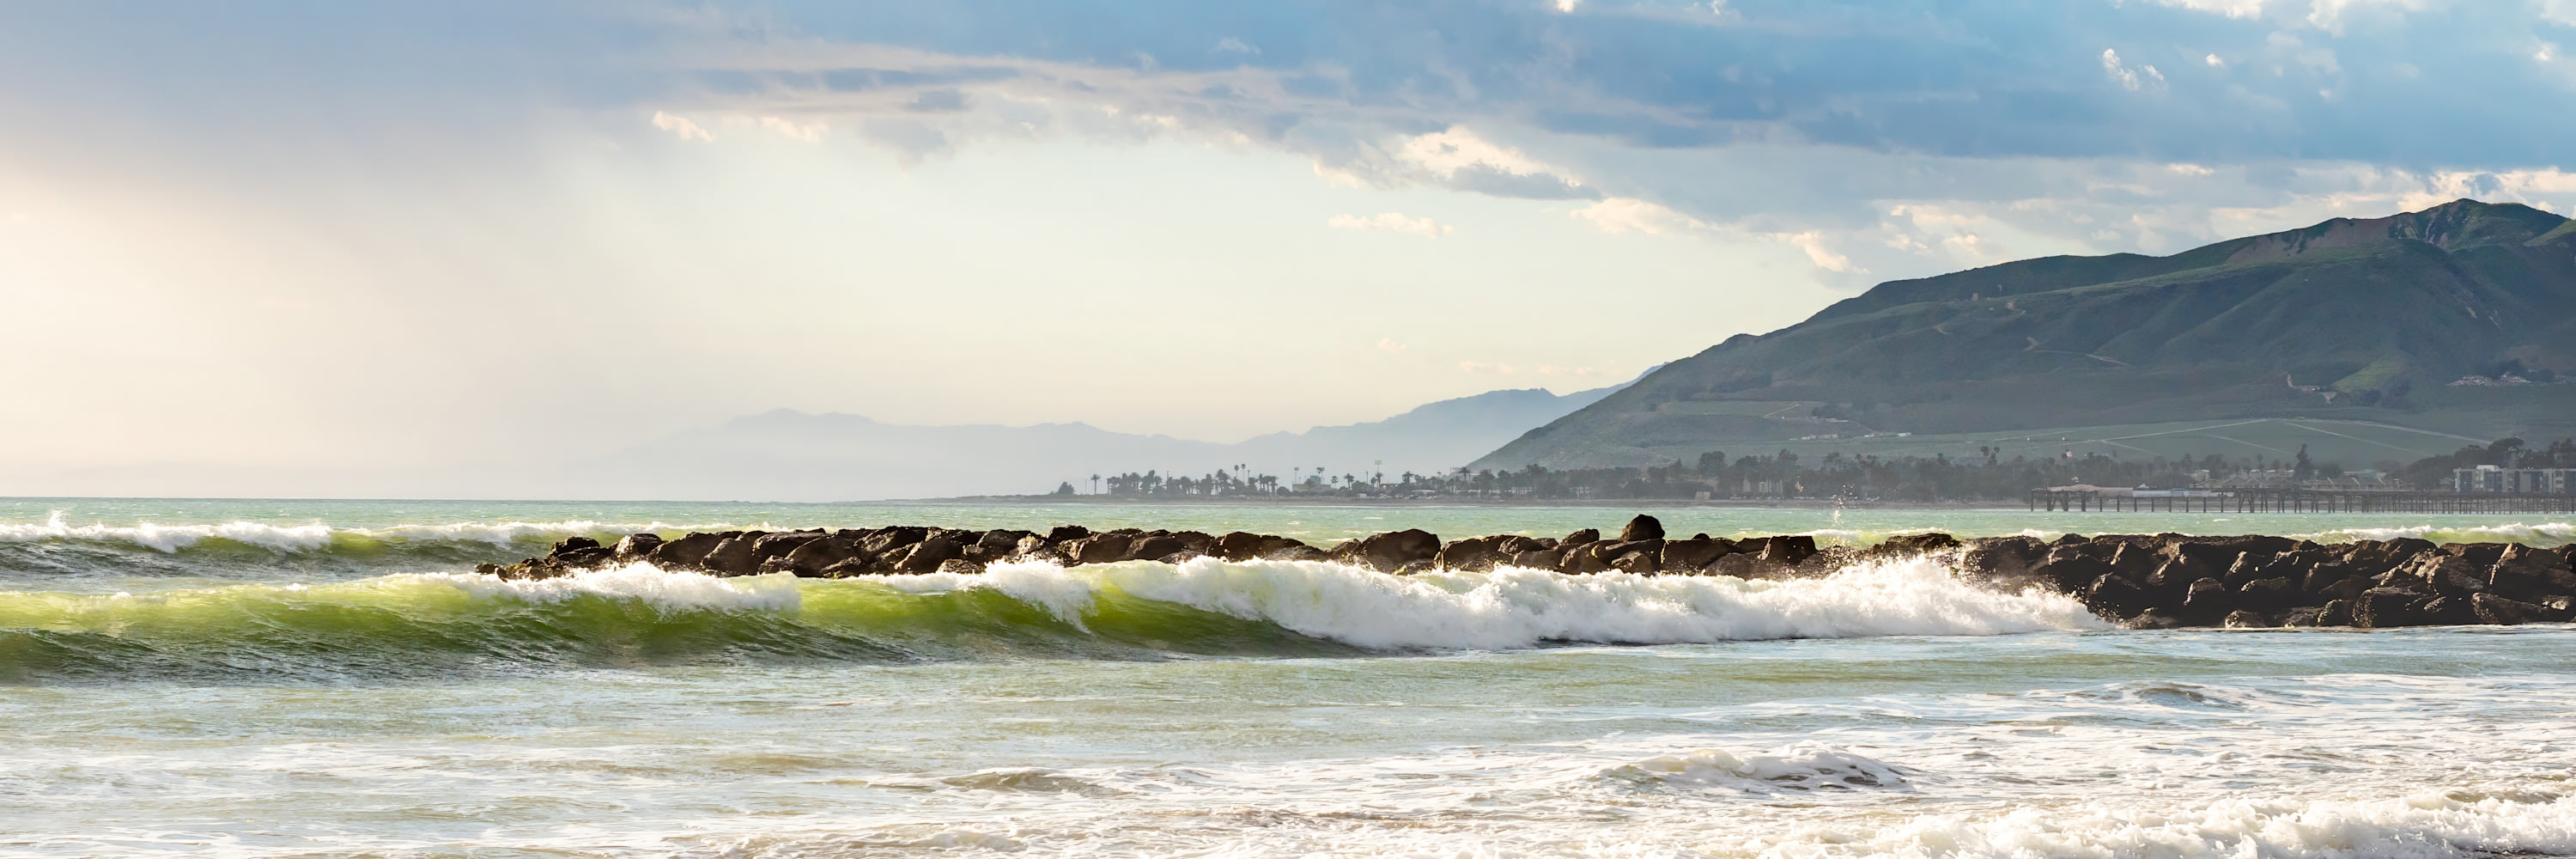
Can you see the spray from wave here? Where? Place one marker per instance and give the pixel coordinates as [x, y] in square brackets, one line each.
[410, 624]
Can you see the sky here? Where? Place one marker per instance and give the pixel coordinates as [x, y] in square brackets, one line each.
[274, 247]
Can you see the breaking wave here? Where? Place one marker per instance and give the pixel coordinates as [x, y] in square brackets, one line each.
[430, 623]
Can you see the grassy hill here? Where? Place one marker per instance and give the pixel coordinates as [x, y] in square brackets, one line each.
[2344, 324]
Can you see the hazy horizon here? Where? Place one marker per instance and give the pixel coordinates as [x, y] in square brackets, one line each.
[279, 248]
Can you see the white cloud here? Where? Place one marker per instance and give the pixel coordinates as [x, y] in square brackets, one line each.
[1568, 5]
[680, 126]
[1231, 44]
[792, 130]
[2127, 78]
[1389, 346]
[2214, 62]
[1391, 222]
[1813, 243]
[1629, 214]
[2229, 8]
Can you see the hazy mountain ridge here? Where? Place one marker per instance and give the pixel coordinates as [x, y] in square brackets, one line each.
[786, 455]
[2360, 319]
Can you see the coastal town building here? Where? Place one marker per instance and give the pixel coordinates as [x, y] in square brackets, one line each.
[2512, 481]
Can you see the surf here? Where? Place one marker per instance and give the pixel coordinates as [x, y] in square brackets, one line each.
[415, 624]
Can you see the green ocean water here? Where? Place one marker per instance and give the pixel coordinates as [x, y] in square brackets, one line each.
[328, 678]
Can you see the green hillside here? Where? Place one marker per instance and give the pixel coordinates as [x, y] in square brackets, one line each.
[2349, 322]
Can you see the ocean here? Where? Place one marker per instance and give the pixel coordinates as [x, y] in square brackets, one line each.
[329, 678]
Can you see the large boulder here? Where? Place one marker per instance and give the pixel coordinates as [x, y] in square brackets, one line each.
[1643, 527]
[813, 557]
[637, 547]
[2383, 608]
[733, 556]
[687, 553]
[1390, 551]
[1694, 554]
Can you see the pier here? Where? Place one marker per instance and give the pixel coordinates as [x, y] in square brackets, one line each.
[2086, 499]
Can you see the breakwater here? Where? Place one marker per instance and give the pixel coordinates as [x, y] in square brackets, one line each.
[2150, 581]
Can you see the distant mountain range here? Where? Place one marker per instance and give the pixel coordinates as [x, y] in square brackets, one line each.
[786, 455]
[2372, 322]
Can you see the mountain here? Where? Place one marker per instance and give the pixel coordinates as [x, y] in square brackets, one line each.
[785, 455]
[2362, 322]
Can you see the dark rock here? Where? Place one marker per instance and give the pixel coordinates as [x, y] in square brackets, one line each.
[1288, 549]
[1238, 546]
[1692, 555]
[2206, 600]
[2115, 597]
[2449, 611]
[1067, 533]
[2521, 571]
[1642, 528]
[686, 553]
[1742, 565]
[957, 566]
[2445, 574]
[1787, 551]
[1424, 565]
[2304, 616]
[2072, 570]
[1299, 552]
[1577, 538]
[2157, 618]
[886, 540]
[593, 556]
[2385, 608]
[1644, 557]
[733, 556]
[1475, 554]
[2336, 613]
[1904, 545]
[2244, 619]
[927, 556]
[778, 545]
[2007, 562]
[1100, 549]
[572, 544]
[1539, 559]
[2508, 612]
[1154, 545]
[2481, 554]
[2268, 594]
[637, 547]
[859, 565]
[1583, 559]
[1389, 551]
[814, 556]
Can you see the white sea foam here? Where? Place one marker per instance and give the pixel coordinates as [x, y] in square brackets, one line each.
[670, 591]
[1799, 767]
[307, 537]
[504, 533]
[2420, 825]
[1514, 607]
[2546, 534]
[171, 538]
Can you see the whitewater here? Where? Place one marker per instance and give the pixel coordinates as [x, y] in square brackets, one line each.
[330, 678]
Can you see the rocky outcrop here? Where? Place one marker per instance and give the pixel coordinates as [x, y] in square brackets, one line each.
[2159, 581]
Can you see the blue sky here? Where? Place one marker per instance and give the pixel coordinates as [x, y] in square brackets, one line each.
[296, 235]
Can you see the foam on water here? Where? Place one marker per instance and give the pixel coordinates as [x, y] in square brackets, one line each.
[641, 583]
[1516, 607]
[2546, 534]
[172, 538]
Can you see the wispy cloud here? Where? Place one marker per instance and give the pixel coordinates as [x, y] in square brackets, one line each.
[1390, 222]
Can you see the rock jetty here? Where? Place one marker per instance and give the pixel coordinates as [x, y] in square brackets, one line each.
[2151, 581]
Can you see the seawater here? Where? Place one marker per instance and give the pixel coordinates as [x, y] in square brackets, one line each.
[264, 678]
